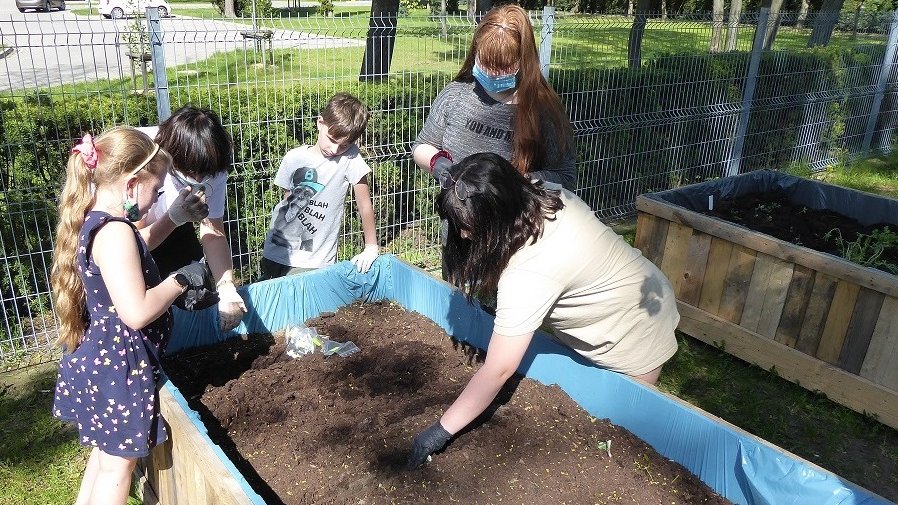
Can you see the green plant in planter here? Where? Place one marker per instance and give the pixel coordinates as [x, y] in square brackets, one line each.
[866, 250]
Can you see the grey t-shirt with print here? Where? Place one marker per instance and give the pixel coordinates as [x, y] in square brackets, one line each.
[465, 120]
[306, 224]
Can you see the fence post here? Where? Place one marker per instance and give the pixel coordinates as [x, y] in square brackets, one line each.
[545, 44]
[160, 76]
[885, 70]
[748, 93]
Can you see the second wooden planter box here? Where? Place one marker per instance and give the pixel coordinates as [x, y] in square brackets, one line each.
[821, 321]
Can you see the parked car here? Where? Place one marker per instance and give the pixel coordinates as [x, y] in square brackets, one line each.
[117, 9]
[40, 5]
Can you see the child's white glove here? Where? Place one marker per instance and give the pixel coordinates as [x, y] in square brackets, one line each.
[230, 306]
[364, 259]
[188, 207]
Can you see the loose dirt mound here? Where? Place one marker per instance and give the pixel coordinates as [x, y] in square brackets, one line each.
[337, 430]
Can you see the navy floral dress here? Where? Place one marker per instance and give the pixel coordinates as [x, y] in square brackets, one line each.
[108, 385]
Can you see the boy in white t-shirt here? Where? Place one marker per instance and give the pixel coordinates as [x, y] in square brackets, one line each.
[305, 224]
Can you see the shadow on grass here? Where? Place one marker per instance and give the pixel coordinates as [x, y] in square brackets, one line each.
[28, 431]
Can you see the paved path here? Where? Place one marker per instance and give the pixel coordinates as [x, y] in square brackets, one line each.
[53, 48]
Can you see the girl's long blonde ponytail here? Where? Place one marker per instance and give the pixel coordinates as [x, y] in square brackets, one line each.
[68, 289]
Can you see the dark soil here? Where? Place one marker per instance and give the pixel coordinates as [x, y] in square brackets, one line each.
[773, 214]
[337, 430]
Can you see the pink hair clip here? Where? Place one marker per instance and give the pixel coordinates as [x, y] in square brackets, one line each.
[87, 150]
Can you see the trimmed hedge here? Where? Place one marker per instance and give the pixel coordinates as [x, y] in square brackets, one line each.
[668, 123]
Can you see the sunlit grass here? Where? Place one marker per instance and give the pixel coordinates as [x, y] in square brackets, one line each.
[40, 458]
[876, 174]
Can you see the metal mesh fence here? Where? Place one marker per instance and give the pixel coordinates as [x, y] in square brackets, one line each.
[704, 96]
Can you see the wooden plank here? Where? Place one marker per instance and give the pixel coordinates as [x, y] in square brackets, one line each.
[881, 363]
[775, 298]
[860, 330]
[694, 276]
[676, 252]
[735, 287]
[715, 275]
[192, 462]
[837, 321]
[757, 290]
[652, 231]
[643, 223]
[853, 391]
[840, 268]
[795, 305]
[815, 314]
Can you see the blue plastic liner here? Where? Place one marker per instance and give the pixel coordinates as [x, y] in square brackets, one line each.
[739, 466]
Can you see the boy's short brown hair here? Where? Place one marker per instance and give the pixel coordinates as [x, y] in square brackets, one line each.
[345, 116]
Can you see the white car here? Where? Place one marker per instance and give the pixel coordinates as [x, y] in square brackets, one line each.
[117, 9]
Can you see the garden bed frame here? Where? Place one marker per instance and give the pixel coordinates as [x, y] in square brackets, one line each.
[818, 320]
[191, 469]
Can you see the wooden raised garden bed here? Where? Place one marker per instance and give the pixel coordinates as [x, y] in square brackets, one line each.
[192, 469]
[821, 321]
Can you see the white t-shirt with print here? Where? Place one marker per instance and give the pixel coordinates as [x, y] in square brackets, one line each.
[600, 295]
[306, 224]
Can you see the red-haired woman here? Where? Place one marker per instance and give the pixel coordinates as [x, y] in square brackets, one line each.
[500, 102]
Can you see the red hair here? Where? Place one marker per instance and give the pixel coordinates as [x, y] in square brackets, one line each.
[504, 42]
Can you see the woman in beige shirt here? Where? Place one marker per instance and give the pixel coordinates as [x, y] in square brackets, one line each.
[547, 259]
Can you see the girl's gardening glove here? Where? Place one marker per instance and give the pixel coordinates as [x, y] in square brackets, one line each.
[364, 259]
[426, 443]
[200, 293]
[188, 207]
[230, 306]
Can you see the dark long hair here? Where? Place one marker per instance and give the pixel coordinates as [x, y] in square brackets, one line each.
[499, 210]
[504, 40]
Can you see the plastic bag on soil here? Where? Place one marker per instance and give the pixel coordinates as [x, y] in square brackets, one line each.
[302, 340]
[343, 349]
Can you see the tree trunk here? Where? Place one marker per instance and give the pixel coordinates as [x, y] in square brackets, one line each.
[229, 11]
[716, 26]
[775, 18]
[825, 22]
[630, 7]
[664, 10]
[802, 14]
[733, 25]
[380, 41]
[637, 31]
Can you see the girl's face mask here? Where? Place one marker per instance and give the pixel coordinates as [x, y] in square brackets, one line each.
[494, 85]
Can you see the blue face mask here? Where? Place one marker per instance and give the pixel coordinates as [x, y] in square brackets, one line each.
[494, 85]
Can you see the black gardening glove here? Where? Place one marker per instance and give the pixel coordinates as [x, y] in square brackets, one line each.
[441, 168]
[200, 293]
[426, 443]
